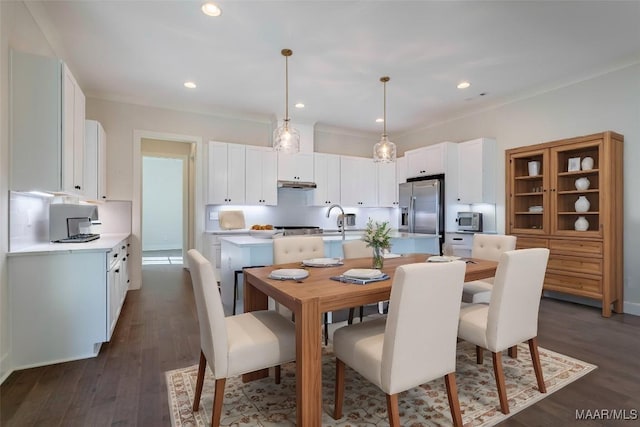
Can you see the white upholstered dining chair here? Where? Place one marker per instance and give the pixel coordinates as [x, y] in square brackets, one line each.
[238, 344]
[511, 317]
[416, 343]
[486, 246]
[296, 249]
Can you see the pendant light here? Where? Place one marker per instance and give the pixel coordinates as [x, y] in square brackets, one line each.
[385, 150]
[285, 138]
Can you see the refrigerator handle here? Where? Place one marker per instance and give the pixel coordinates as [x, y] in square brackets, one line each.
[412, 213]
[438, 211]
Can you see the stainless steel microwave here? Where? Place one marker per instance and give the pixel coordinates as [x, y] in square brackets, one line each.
[469, 221]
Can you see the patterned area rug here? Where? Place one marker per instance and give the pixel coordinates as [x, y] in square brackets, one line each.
[263, 403]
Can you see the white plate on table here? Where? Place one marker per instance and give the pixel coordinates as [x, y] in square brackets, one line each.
[444, 258]
[289, 273]
[322, 262]
[363, 273]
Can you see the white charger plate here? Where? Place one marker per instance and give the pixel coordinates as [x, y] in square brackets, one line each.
[289, 273]
[322, 262]
[445, 258]
[363, 273]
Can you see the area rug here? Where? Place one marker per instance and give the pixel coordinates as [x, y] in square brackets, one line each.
[264, 403]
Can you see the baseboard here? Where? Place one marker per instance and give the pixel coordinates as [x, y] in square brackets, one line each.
[5, 369]
[631, 308]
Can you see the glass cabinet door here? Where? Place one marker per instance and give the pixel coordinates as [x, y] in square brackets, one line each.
[575, 189]
[528, 193]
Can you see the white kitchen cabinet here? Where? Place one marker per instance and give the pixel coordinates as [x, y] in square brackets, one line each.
[476, 171]
[226, 184]
[387, 185]
[358, 182]
[73, 133]
[95, 164]
[64, 304]
[401, 170]
[326, 171]
[295, 167]
[425, 161]
[261, 176]
[47, 125]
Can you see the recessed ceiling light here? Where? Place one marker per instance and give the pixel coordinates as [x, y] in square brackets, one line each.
[299, 105]
[190, 85]
[211, 9]
[379, 120]
[463, 85]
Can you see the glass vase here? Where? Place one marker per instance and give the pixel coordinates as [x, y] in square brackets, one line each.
[378, 259]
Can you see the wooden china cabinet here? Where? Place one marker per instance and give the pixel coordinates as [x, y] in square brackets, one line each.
[542, 212]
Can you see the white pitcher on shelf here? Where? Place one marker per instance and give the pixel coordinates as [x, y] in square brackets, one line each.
[587, 163]
[581, 224]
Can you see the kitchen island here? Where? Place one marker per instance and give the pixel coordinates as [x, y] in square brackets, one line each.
[244, 251]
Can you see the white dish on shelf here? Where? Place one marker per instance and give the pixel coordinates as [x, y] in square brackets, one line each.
[262, 234]
[535, 209]
[322, 262]
[289, 273]
[444, 258]
[363, 273]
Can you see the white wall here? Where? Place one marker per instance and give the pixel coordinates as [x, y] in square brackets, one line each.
[162, 203]
[606, 102]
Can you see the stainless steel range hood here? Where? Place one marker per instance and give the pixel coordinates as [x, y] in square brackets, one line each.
[300, 185]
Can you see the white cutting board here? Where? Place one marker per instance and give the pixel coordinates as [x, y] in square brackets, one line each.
[231, 220]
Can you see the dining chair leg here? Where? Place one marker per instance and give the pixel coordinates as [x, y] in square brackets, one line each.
[393, 410]
[350, 318]
[339, 392]
[454, 402]
[326, 329]
[479, 355]
[500, 383]
[535, 358]
[277, 374]
[202, 367]
[361, 312]
[513, 352]
[218, 396]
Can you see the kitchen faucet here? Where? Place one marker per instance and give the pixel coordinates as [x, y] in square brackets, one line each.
[335, 205]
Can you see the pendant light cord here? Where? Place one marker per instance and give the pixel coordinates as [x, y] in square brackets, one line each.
[286, 53]
[384, 81]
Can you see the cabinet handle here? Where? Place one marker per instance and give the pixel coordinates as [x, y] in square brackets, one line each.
[104, 197]
[123, 247]
[457, 238]
[115, 255]
[117, 270]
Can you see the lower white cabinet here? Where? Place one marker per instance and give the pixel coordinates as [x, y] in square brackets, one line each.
[64, 304]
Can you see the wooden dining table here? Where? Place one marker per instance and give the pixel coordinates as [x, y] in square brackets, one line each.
[317, 294]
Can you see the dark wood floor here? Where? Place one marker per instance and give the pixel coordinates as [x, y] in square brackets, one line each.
[157, 331]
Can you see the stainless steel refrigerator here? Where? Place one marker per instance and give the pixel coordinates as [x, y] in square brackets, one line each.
[422, 206]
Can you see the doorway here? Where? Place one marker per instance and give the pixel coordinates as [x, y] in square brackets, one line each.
[167, 201]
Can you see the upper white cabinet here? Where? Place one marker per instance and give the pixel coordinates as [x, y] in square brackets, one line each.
[261, 176]
[326, 171]
[359, 182]
[387, 185]
[95, 161]
[47, 125]
[430, 160]
[73, 133]
[295, 167]
[226, 174]
[476, 171]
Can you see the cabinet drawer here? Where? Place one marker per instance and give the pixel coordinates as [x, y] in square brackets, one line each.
[531, 242]
[586, 286]
[575, 264]
[575, 246]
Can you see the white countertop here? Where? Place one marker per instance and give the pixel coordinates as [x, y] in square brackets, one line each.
[253, 241]
[105, 243]
[228, 232]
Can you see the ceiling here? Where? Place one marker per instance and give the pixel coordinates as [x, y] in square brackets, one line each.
[143, 51]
